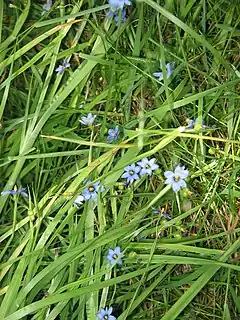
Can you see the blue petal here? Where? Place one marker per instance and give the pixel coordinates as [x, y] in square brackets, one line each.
[137, 169]
[110, 310]
[168, 174]
[158, 75]
[6, 192]
[111, 252]
[181, 172]
[125, 175]
[132, 167]
[128, 168]
[86, 194]
[119, 261]
[182, 183]
[176, 186]
[143, 172]
[154, 166]
[110, 258]
[99, 316]
[94, 195]
[110, 131]
[135, 176]
[117, 251]
[169, 67]
[96, 185]
[24, 194]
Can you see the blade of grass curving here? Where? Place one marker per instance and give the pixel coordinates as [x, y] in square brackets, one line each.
[80, 74]
[72, 294]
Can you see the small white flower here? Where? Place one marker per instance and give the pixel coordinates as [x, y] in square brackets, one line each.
[88, 120]
[78, 201]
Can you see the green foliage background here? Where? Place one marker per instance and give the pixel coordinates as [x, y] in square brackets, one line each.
[53, 256]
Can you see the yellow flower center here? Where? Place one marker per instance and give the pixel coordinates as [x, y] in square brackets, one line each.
[176, 178]
[91, 188]
[131, 172]
[115, 256]
[105, 317]
[147, 166]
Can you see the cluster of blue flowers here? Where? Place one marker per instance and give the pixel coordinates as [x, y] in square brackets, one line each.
[144, 167]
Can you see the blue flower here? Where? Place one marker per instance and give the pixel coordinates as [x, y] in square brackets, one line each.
[113, 255]
[78, 201]
[15, 192]
[192, 123]
[169, 71]
[60, 69]
[92, 191]
[47, 6]
[147, 166]
[88, 120]
[162, 212]
[131, 173]
[105, 314]
[176, 178]
[119, 4]
[113, 134]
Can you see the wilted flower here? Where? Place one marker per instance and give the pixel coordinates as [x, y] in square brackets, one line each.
[176, 178]
[162, 212]
[92, 191]
[169, 71]
[113, 134]
[60, 69]
[88, 120]
[147, 166]
[47, 6]
[78, 201]
[105, 314]
[131, 173]
[15, 192]
[113, 255]
[119, 4]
